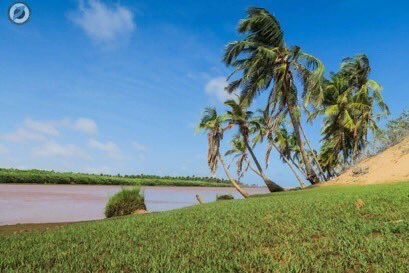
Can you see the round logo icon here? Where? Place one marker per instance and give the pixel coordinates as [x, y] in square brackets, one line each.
[19, 13]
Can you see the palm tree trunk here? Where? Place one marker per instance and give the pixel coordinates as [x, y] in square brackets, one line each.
[344, 148]
[302, 185]
[311, 175]
[313, 153]
[272, 187]
[298, 167]
[355, 152]
[199, 199]
[234, 183]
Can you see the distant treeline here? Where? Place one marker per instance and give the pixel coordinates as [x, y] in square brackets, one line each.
[52, 177]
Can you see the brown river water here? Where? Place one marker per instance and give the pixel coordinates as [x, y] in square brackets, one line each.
[28, 203]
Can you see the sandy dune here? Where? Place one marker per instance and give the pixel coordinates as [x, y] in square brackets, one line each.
[392, 165]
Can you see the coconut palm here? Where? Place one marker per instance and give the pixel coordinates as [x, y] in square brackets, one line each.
[212, 123]
[240, 116]
[338, 109]
[286, 143]
[348, 106]
[367, 93]
[313, 154]
[265, 63]
[239, 153]
[265, 127]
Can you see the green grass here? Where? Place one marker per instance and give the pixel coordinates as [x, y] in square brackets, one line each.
[51, 177]
[315, 230]
[125, 202]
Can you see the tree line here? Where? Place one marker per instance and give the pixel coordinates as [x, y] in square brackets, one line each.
[42, 176]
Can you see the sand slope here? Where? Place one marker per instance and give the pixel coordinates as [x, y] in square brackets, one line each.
[392, 165]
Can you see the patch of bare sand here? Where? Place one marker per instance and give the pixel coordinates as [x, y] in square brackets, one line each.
[391, 165]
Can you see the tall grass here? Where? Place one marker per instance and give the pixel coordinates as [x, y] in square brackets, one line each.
[125, 202]
[224, 197]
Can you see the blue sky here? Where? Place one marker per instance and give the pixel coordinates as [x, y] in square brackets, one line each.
[117, 86]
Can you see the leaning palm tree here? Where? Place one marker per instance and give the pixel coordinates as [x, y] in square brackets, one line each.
[212, 122]
[239, 153]
[265, 63]
[349, 106]
[338, 109]
[286, 143]
[240, 116]
[265, 127]
[367, 93]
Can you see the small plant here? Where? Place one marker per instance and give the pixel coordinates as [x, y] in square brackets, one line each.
[224, 197]
[125, 202]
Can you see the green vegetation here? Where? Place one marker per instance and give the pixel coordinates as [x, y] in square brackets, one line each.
[296, 87]
[223, 197]
[349, 105]
[51, 177]
[265, 63]
[395, 131]
[125, 202]
[213, 124]
[324, 229]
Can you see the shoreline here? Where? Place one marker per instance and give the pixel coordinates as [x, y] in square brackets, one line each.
[35, 227]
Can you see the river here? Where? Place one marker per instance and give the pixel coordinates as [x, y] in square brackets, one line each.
[28, 203]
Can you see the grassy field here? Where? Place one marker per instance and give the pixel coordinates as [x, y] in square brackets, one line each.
[51, 177]
[324, 229]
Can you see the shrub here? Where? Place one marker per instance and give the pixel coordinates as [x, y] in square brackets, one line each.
[125, 202]
[224, 197]
[396, 130]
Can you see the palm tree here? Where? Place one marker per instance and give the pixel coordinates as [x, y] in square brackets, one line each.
[338, 109]
[239, 152]
[313, 154]
[367, 92]
[212, 122]
[264, 62]
[240, 116]
[286, 143]
[265, 127]
[348, 105]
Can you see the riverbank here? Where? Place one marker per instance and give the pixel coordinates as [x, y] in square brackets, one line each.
[50, 177]
[19, 228]
[323, 229]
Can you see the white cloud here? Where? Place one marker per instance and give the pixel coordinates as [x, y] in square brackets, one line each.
[139, 147]
[108, 147]
[85, 125]
[103, 23]
[45, 127]
[216, 88]
[22, 135]
[51, 149]
[37, 130]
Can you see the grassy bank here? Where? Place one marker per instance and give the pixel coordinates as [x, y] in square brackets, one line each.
[325, 229]
[51, 177]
